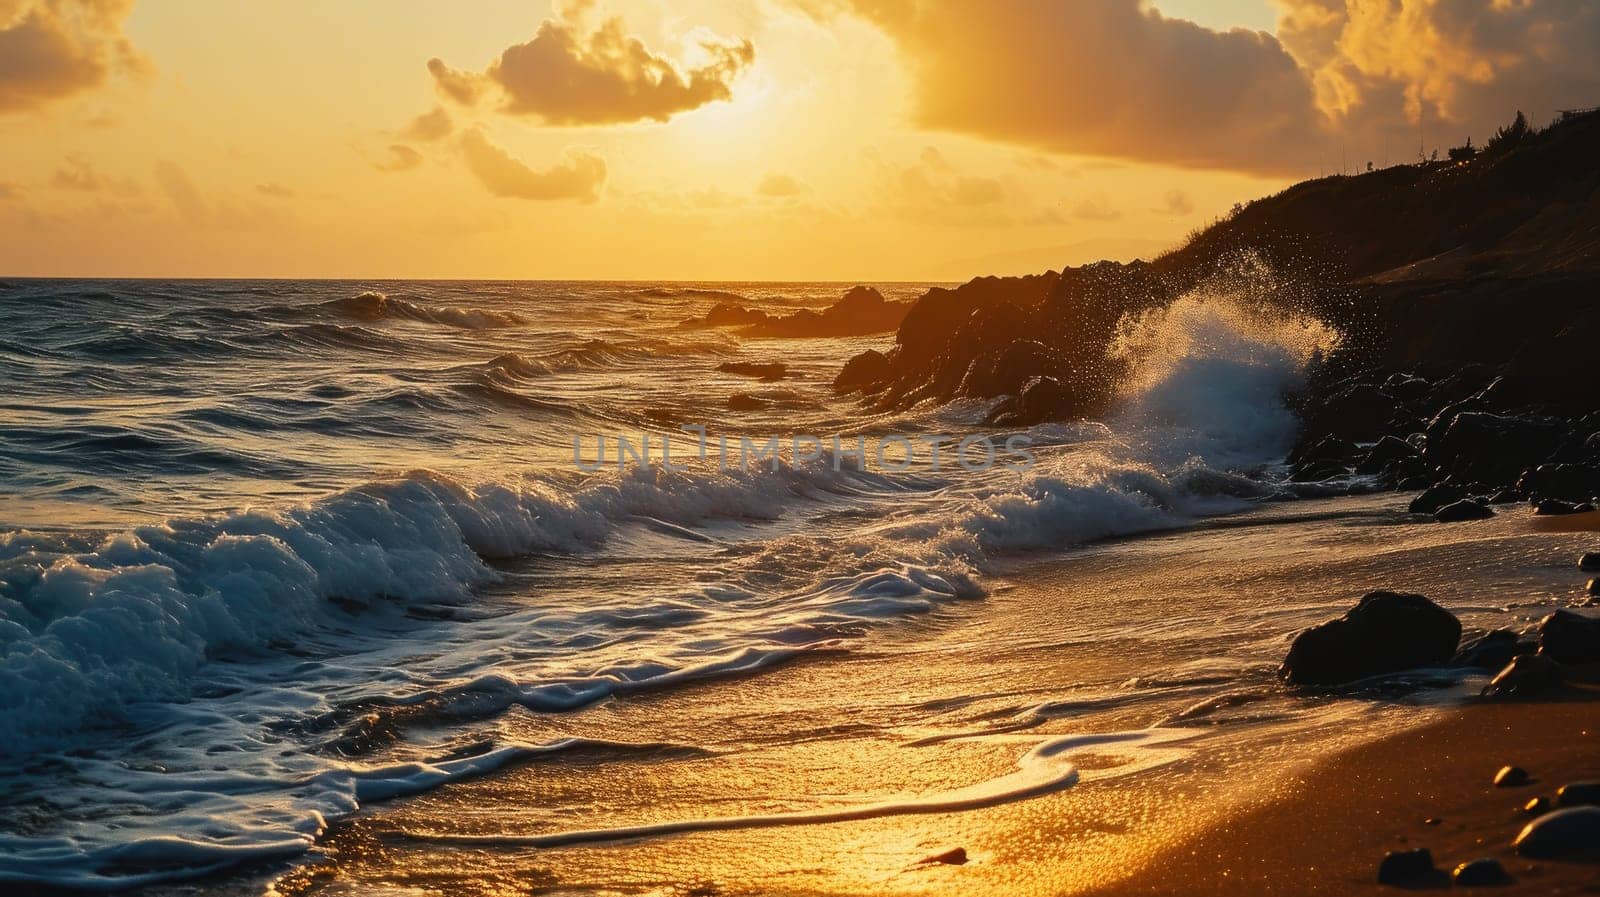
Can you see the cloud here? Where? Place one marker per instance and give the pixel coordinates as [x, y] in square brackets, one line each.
[182, 191]
[1117, 79]
[779, 185]
[9, 191]
[275, 190]
[1464, 62]
[429, 126]
[1095, 208]
[1096, 77]
[78, 173]
[1176, 203]
[570, 74]
[400, 158]
[931, 188]
[579, 177]
[223, 214]
[54, 49]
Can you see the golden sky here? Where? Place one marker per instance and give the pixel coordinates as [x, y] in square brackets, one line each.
[719, 139]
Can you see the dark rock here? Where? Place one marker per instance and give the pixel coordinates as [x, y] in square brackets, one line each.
[1042, 399]
[1555, 369]
[1490, 651]
[1485, 871]
[1589, 562]
[1507, 496]
[1361, 413]
[1402, 867]
[1563, 833]
[1525, 676]
[1569, 482]
[1555, 507]
[1388, 453]
[955, 856]
[1493, 448]
[1567, 637]
[1511, 777]
[1463, 510]
[1435, 497]
[860, 312]
[1537, 806]
[1317, 471]
[1578, 794]
[760, 370]
[862, 372]
[1385, 633]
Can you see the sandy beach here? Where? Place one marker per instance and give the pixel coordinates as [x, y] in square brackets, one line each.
[1259, 790]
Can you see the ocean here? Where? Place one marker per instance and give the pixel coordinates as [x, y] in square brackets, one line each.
[273, 552]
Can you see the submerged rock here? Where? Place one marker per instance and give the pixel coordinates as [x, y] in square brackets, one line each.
[1462, 511]
[1526, 676]
[1511, 777]
[1485, 871]
[1402, 867]
[1560, 834]
[774, 370]
[1387, 632]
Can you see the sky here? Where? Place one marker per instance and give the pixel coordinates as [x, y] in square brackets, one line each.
[720, 139]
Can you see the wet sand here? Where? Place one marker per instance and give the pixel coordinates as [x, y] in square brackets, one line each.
[1265, 790]
[1329, 827]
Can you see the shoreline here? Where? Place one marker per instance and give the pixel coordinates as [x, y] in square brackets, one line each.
[938, 706]
[1431, 787]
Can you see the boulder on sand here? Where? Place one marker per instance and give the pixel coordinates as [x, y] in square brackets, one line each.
[1490, 651]
[1566, 637]
[1435, 497]
[1525, 676]
[1568, 832]
[1463, 510]
[1385, 633]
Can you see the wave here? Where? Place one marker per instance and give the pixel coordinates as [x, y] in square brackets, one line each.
[376, 306]
[689, 292]
[319, 799]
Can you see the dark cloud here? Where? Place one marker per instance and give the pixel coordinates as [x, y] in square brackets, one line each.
[1117, 79]
[580, 176]
[400, 158]
[570, 74]
[54, 49]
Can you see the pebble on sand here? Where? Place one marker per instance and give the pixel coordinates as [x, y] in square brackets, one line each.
[1485, 871]
[1578, 794]
[1537, 806]
[1401, 867]
[1562, 833]
[1511, 777]
[1590, 563]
